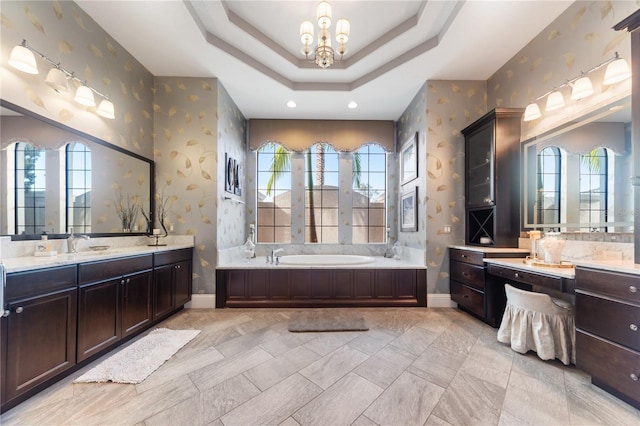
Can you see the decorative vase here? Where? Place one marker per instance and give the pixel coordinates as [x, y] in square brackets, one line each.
[552, 245]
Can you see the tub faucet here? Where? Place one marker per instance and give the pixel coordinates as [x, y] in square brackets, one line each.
[72, 241]
[272, 258]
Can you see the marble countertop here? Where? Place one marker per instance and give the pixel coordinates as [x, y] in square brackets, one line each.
[519, 264]
[625, 266]
[378, 263]
[482, 249]
[27, 263]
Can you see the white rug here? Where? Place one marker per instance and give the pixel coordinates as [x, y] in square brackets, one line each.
[137, 361]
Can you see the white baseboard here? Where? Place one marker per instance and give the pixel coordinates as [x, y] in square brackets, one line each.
[201, 301]
[440, 301]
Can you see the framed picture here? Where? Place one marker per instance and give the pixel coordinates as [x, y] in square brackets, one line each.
[409, 211]
[409, 160]
[232, 175]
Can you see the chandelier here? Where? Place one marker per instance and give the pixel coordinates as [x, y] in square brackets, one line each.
[324, 54]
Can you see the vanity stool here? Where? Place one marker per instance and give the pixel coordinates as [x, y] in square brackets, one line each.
[537, 322]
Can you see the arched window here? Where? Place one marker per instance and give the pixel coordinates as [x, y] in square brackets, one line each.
[321, 194]
[274, 194]
[548, 186]
[78, 176]
[369, 179]
[30, 189]
[593, 187]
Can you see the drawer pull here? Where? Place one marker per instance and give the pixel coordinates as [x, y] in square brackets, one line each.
[634, 377]
[516, 275]
[19, 310]
[633, 289]
[463, 256]
[633, 327]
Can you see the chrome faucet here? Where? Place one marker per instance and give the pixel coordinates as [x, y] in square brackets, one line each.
[272, 258]
[72, 241]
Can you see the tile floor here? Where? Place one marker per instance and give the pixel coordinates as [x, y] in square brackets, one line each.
[415, 366]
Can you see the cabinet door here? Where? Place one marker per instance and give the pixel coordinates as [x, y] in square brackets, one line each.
[40, 341]
[183, 282]
[98, 317]
[163, 293]
[136, 302]
[480, 167]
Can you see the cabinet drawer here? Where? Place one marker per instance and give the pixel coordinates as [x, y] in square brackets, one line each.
[552, 283]
[466, 256]
[615, 284]
[467, 297]
[467, 274]
[107, 269]
[173, 256]
[610, 365]
[21, 285]
[612, 320]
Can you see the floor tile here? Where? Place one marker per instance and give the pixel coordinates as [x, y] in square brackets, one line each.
[226, 396]
[415, 340]
[437, 365]
[279, 368]
[332, 367]
[385, 367]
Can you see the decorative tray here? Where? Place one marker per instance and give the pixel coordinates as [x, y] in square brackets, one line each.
[538, 262]
[99, 248]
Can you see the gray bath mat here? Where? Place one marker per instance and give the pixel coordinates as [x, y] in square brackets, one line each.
[315, 320]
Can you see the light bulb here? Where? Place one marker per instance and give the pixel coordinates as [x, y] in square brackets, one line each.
[84, 96]
[532, 112]
[554, 101]
[23, 59]
[581, 88]
[57, 80]
[617, 71]
[106, 110]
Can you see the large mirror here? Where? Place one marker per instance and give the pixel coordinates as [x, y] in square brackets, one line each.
[54, 178]
[577, 178]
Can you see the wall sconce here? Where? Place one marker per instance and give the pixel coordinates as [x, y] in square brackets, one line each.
[22, 58]
[581, 87]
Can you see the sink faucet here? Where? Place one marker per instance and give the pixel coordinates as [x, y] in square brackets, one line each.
[73, 240]
[272, 258]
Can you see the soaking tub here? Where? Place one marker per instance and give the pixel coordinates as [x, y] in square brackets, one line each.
[321, 281]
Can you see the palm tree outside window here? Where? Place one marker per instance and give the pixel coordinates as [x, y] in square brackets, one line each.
[321, 194]
[274, 194]
[594, 188]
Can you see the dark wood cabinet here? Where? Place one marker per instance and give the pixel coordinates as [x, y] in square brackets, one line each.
[114, 302]
[471, 286]
[607, 335]
[492, 181]
[172, 281]
[38, 330]
[284, 287]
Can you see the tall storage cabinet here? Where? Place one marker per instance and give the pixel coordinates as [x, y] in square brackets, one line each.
[492, 183]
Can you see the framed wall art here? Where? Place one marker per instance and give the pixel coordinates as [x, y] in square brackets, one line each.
[232, 175]
[409, 160]
[409, 210]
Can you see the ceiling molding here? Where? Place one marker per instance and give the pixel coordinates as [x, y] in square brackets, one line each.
[386, 38]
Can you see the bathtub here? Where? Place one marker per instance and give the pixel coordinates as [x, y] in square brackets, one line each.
[325, 259]
[320, 281]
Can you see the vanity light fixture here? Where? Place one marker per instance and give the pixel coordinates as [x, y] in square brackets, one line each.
[23, 58]
[581, 87]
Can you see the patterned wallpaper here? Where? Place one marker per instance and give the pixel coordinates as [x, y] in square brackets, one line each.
[196, 122]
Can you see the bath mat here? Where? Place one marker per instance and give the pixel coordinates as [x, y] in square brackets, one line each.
[326, 320]
[137, 361]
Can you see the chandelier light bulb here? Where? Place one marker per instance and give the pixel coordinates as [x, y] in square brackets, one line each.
[324, 15]
[343, 28]
[581, 88]
[554, 101]
[532, 112]
[617, 71]
[306, 33]
[84, 96]
[23, 59]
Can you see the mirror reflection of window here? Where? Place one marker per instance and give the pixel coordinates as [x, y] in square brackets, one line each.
[274, 194]
[78, 200]
[547, 206]
[30, 189]
[369, 194]
[593, 187]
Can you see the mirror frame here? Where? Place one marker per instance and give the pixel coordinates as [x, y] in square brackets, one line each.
[24, 237]
[587, 118]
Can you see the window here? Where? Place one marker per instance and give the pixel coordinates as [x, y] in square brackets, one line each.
[547, 208]
[30, 189]
[593, 186]
[369, 194]
[78, 200]
[274, 194]
[321, 194]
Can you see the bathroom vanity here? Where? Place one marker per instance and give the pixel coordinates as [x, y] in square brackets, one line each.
[61, 313]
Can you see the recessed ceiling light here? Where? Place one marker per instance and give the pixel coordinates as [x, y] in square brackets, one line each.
[291, 104]
[352, 104]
